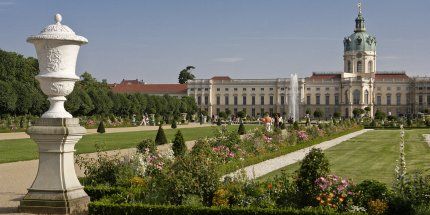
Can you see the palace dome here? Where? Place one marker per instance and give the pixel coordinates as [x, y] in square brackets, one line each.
[360, 40]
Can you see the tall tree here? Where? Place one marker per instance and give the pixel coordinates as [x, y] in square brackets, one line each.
[186, 75]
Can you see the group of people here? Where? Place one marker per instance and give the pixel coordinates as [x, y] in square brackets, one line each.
[269, 122]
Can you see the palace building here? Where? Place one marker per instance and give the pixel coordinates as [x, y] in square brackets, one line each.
[360, 85]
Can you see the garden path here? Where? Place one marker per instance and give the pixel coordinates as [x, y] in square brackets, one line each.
[265, 167]
[16, 177]
[23, 135]
[427, 137]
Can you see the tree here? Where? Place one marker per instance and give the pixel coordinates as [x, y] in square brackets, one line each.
[174, 124]
[179, 148]
[357, 112]
[186, 75]
[336, 115]
[101, 128]
[318, 113]
[241, 130]
[222, 114]
[8, 98]
[160, 139]
[308, 111]
[241, 114]
[380, 115]
[313, 166]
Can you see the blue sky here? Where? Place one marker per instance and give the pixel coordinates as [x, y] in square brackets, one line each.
[153, 40]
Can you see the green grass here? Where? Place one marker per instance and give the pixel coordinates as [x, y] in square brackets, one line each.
[373, 155]
[26, 149]
[235, 165]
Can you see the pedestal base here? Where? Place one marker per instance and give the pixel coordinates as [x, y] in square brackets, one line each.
[48, 206]
[56, 189]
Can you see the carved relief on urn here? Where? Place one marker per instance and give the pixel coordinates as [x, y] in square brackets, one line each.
[57, 48]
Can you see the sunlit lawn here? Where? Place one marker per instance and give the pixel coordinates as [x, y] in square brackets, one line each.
[373, 155]
[26, 149]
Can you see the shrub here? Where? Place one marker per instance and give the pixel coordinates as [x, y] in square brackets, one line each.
[103, 207]
[377, 207]
[174, 125]
[296, 125]
[218, 122]
[313, 166]
[179, 148]
[370, 190]
[146, 144]
[101, 128]
[241, 129]
[334, 192]
[282, 126]
[100, 191]
[160, 139]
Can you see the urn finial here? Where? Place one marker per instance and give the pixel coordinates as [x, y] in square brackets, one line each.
[58, 18]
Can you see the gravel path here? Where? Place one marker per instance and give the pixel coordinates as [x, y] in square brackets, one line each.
[23, 135]
[427, 137]
[16, 177]
[265, 167]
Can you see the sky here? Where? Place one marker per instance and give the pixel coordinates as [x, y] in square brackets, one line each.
[152, 40]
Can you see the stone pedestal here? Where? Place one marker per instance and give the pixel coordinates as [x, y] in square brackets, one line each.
[56, 189]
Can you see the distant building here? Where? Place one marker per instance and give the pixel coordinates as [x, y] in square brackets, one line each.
[136, 86]
[360, 85]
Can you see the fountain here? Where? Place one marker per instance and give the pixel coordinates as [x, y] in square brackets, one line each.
[293, 104]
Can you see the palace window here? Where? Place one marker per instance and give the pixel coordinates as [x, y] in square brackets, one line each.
[308, 99]
[388, 99]
[244, 100]
[217, 111]
[271, 100]
[235, 100]
[199, 89]
[359, 66]
[327, 99]
[282, 99]
[398, 98]
[349, 67]
[282, 88]
[388, 88]
[253, 100]
[420, 100]
[378, 100]
[206, 100]
[206, 89]
[199, 100]
[366, 97]
[243, 89]
[226, 89]
[327, 88]
[226, 102]
[235, 89]
[253, 112]
[370, 66]
[218, 100]
[356, 97]
[428, 99]
[192, 89]
[262, 100]
[271, 89]
[253, 89]
[336, 99]
[317, 98]
[218, 89]
[262, 89]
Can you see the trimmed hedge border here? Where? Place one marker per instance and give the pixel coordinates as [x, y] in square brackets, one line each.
[136, 208]
[98, 192]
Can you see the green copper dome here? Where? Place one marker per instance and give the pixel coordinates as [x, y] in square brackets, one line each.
[360, 40]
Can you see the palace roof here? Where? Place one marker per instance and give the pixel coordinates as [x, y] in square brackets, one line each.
[135, 86]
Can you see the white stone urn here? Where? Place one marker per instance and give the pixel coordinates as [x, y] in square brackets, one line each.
[57, 48]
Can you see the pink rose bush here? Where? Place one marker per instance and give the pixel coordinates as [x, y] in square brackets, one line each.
[334, 192]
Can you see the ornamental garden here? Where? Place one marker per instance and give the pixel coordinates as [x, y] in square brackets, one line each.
[161, 155]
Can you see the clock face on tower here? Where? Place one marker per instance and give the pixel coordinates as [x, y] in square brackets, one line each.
[359, 55]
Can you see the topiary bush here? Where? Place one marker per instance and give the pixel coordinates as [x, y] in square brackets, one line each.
[146, 144]
[313, 166]
[241, 130]
[174, 125]
[160, 139]
[370, 190]
[218, 122]
[101, 128]
[179, 148]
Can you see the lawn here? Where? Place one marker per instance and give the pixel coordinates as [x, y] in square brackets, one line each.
[26, 149]
[373, 155]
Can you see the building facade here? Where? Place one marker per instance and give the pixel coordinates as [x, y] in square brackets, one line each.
[358, 86]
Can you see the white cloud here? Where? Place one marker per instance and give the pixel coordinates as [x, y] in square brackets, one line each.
[228, 60]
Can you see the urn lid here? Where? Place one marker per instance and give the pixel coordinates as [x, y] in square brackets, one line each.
[57, 31]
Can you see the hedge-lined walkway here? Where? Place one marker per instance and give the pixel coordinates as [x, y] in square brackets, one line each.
[265, 167]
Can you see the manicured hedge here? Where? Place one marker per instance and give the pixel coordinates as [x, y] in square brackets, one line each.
[129, 209]
[98, 192]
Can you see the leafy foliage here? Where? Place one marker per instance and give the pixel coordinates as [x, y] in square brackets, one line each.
[160, 139]
[186, 75]
[313, 166]
[179, 148]
[146, 145]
